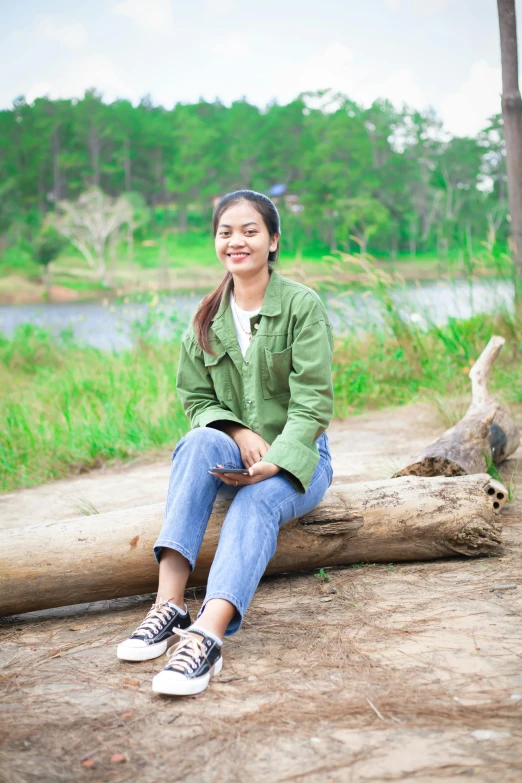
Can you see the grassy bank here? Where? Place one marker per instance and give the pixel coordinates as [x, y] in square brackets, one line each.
[181, 262]
[66, 408]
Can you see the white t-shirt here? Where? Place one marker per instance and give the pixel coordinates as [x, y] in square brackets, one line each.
[245, 316]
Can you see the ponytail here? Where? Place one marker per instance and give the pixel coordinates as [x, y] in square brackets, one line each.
[206, 311]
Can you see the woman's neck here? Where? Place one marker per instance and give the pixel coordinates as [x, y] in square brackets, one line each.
[250, 292]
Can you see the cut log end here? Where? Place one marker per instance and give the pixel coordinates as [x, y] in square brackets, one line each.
[504, 437]
[477, 537]
[497, 494]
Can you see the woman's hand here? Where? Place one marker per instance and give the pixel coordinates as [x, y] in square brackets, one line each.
[252, 448]
[251, 445]
[259, 471]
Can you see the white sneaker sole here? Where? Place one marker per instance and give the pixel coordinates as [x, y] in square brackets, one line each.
[166, 683]
[127, 653]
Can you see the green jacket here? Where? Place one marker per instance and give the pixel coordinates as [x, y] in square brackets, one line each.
[282, 389]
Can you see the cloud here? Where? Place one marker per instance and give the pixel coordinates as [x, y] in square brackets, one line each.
[399, 88]
[38, 90]
[419, 7]
[331, 69]
[432, 6]
[465, 111]
[70, 36]
[337, 70]
[222, 7]
[155, 15]
[93, 71]
[228, 46]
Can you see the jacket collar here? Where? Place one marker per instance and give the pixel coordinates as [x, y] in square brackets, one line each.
[271, 302]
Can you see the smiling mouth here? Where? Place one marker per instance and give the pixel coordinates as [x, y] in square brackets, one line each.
[237, 256]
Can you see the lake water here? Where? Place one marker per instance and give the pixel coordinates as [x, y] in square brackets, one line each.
[115, 326]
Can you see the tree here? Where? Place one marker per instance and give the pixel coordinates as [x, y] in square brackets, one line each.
[192, 173]
[493, 174]
[512, 114]
[323, 147]
[89, 222]
[47, 247]
[140, 216]
[364, 217]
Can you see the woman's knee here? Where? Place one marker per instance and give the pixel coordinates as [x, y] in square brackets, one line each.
[260, 500]
[199, 437]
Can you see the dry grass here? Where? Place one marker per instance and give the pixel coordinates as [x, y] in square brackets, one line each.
[387, 678]
[399, 651]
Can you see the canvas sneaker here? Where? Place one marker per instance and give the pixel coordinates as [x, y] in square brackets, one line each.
[194, 660]
[157, 631]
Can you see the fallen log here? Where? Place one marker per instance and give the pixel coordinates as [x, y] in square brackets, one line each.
[110, 555]
[487, 432]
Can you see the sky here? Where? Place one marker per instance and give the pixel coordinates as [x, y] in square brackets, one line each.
[443, 54]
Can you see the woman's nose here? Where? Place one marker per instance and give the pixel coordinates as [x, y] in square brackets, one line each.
[236, 241]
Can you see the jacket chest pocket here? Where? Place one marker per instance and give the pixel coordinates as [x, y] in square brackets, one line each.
[220, 374]
[276, 369]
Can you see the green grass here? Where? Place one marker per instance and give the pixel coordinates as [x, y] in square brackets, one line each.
[66, 408]
[378, 369]
[18, 260]
[322, 575]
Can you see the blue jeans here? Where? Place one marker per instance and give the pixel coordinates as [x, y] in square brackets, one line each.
[249, 533]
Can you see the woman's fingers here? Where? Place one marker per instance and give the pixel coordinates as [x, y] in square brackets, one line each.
[238, 479]
[251, 458]
[225, 478]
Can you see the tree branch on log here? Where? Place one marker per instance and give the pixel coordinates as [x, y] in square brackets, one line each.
[486, 433]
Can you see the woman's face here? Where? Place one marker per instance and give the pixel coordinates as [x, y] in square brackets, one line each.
[242, 240]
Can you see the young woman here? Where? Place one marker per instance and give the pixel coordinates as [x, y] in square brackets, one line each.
[254, 378]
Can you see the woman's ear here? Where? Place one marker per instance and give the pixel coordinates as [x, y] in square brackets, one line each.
[274, 243]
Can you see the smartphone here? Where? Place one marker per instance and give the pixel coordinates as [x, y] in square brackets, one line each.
[241, 471]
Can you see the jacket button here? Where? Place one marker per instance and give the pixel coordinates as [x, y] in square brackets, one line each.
[246, 361]
[249, 402]
[256, 326]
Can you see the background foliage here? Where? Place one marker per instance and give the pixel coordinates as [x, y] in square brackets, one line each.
[389, 178]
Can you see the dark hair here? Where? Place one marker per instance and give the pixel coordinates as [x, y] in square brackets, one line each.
[210, 303]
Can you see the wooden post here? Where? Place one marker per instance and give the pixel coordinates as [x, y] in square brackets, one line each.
[512, 117]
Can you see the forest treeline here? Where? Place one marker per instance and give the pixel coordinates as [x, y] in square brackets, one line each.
[385, 176]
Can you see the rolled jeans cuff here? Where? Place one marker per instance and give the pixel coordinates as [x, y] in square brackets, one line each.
[165, 543]
[235, 624]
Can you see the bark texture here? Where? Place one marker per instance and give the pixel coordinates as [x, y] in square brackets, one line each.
[487, 431]
[110, 555]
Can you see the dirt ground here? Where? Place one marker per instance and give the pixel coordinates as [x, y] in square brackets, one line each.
[393, 672]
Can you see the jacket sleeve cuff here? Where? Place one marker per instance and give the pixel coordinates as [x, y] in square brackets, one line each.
[297, 461]
[215, 413]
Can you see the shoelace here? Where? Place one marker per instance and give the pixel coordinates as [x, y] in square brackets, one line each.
[157, 617]
[186, 654]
